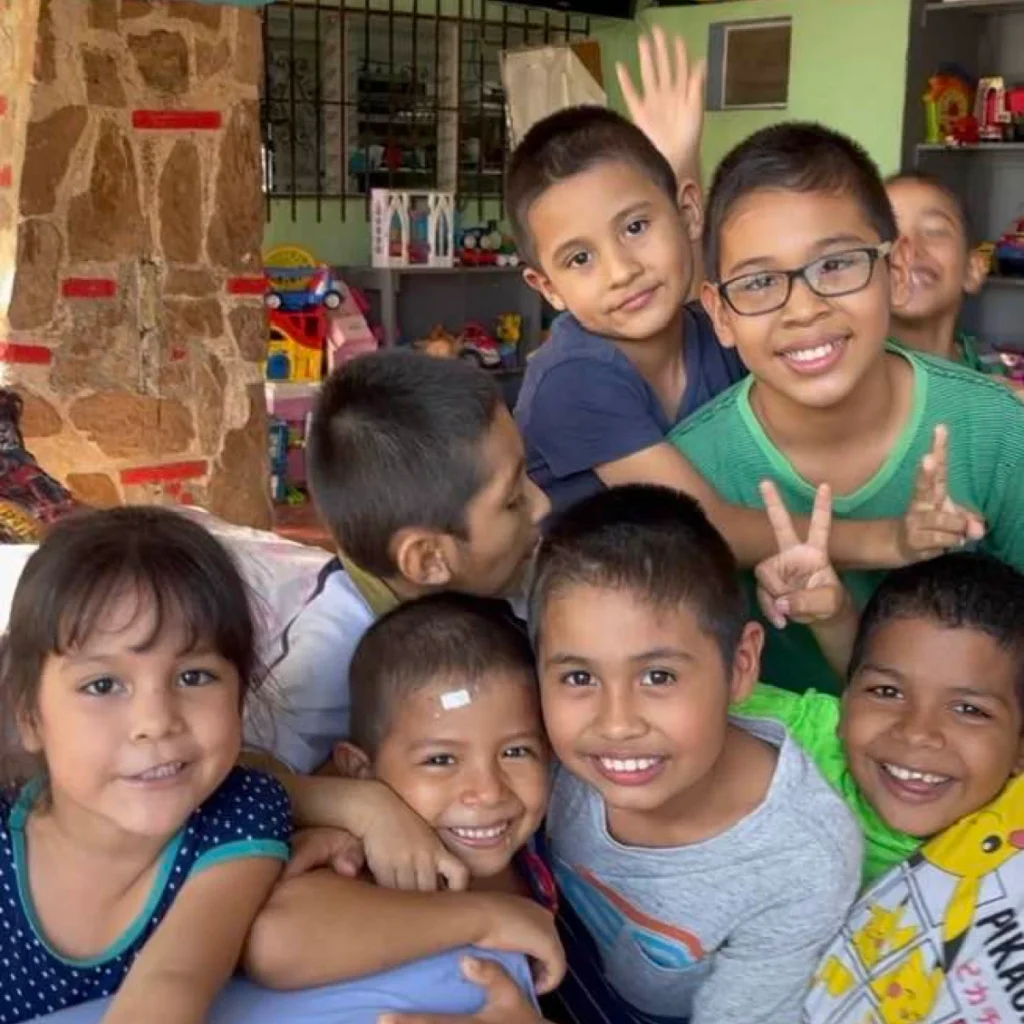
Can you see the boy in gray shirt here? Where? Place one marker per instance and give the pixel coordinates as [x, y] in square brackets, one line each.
[702, 862]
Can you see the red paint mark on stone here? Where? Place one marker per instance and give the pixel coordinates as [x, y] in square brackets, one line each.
[163, 474]
[247, 285]
[4, 106]
[6, 176]
[178, 352]
[15, 352]
[177, 120]
[88, 288]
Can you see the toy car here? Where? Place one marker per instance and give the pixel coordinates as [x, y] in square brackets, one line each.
[320, 289]
[479, 346]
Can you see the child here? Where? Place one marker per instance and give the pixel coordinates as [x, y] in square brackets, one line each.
[133, 855]
[417, 468]
[944, 267]
[445, 713]
[702, 861]
[929, 729]
[627, 361]
[802, 245]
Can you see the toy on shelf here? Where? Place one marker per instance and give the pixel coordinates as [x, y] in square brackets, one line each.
[278, 450]
[295, 348]
[411, 228]
[348, 329]
[948, 103]
[439, 343]
[1009, 254]
[992, 111]
[307, 292]
[477, 344]
[486, 247]
[509, 333]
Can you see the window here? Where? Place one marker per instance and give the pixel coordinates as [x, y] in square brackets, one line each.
[365, 97]
[748, 64]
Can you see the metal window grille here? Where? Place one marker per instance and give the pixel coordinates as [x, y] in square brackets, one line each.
[401, 94]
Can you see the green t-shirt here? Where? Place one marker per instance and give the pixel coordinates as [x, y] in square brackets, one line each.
[726, 443]
[813, 721]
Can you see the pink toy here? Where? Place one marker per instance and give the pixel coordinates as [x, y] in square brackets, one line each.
[348, 331]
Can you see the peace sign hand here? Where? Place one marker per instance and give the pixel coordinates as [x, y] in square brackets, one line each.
[934, 522]
[799, 584]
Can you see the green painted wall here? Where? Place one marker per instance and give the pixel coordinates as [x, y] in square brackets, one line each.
[848, 70]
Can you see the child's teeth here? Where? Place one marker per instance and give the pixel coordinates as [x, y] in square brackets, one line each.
[629, 764]
[807, 355]
[909, 775]
[481, 833]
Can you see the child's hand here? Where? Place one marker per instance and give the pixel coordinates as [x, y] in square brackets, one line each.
[518, 925]
[799, 584]
[506, 1002]
[402, 850]
[325, 847]
[669, 108]
[934, 523]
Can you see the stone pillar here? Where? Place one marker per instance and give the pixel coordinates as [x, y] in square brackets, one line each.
[137, 326]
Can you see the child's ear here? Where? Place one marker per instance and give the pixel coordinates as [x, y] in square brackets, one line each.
[746, 664]
[28, 732]
[899, 272]
[977, 272]
[719, 312]
[352, 762]
[539, 282]
[691, 209]
[422, 557]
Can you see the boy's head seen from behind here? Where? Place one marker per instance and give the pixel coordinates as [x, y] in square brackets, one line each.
[419, 470]
[799, 196]
[445, 712]
[934, 705]
[601, 222]
[643, 641]
[944, 264]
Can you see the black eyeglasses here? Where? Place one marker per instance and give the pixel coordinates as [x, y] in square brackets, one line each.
[838, 273]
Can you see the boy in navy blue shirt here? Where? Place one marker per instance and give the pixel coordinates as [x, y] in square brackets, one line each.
[607, 236]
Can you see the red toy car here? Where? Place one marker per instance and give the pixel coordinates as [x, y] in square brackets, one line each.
[477, 344]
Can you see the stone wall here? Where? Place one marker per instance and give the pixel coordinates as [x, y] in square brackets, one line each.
[136, 327]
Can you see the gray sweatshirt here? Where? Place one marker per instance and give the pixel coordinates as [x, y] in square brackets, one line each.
[725, 931]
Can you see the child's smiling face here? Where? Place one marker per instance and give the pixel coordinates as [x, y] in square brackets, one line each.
[942, 267]
[932, 723]
[615, 249]
[813, 351]
[470, 758]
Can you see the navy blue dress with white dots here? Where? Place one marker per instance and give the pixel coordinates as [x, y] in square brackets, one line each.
[248, 816]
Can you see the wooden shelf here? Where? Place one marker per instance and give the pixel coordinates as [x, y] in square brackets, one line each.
[975, 6]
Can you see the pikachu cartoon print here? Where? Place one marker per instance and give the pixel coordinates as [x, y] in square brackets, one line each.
[939, 939]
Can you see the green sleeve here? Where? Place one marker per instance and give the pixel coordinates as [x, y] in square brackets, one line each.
[1004, 504]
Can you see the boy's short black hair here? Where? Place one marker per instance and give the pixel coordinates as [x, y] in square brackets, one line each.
[964, 590]
[653, 541]
[798, 157]
[439, 638]
[935, 182]
[395, 442]
[565, 144]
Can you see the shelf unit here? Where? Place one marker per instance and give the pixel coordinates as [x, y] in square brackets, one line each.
[419, 298]
[984, 37]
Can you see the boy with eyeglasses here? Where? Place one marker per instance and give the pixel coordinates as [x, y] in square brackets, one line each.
[605, 216]
[802, 251]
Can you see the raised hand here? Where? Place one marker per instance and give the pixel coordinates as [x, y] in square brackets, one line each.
[934, 522]
[669, 105]
[799, 584]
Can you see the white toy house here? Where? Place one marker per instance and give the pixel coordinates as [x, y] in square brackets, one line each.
[412, 228]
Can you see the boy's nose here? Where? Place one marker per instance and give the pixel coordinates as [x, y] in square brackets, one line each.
[622, 267]
[617, 718]
[917, 727]
[485, 788]
[803, 304]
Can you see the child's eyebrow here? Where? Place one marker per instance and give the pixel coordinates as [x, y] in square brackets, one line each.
[663, 654]
[759, 262]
